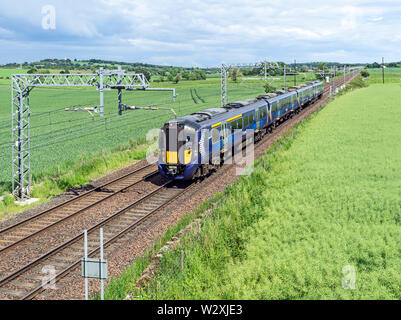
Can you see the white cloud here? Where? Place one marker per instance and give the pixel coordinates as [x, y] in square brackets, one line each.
[4, 33]
[210, 31]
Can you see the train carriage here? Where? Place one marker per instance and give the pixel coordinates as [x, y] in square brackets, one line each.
[192, 145]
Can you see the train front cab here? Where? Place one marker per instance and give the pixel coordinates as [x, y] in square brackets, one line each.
[178, 159]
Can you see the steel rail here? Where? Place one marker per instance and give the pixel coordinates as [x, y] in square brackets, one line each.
[67, 270]
[109, 242]
[35, 262]
[8, 229]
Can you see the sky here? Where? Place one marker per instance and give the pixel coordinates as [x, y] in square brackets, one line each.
[200, 33]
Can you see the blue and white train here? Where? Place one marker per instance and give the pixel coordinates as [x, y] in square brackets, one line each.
[191, 146]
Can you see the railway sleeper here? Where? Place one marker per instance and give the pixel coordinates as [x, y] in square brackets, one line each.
[13, 238]
[64, 259]
[58, 265]
[27, 285]
[31, 277]
[73, 253]
[20, 233]
[116, 225]
[10, 292]
[129, 219]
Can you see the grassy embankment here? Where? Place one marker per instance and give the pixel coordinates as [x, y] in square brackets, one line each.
[76, 140]
[324, 197]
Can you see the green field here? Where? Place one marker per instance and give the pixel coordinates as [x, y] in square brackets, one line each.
[391, 75]
[58, 137]
[325, 197]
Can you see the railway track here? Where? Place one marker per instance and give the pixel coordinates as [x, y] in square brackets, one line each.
[24, 230]
[28, 282]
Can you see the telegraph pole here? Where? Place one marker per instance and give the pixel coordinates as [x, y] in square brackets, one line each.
[345, 80]
[295, 73]
[265, 71]
[335, 72]
[285, 77]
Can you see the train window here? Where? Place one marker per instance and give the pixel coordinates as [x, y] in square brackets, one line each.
[215, 135]
[264, 113]
[252, 119]
[246, 121]
[233, 125]
[240, 123]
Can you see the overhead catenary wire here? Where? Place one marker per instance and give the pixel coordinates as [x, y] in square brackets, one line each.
[107, 120]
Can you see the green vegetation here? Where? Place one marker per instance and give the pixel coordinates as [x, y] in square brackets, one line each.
[5, 78]
[325, 196]
[269, 87]
[60, 138]
[120, 286]
[391, 75]
[357, 83]
[56, 179]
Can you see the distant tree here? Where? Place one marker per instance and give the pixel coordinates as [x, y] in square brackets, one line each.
[365, 73]
[145, 72]
[200, 74]
[186, 75]
[304, 68]
[235, 74]
[170, 77]
[32, 70]
[177, 78]
[374, 65]
[321, 65]
[269, 87]
[65, 71]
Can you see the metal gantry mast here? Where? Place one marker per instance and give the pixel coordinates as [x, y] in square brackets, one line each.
[225, 68]
[22, 85]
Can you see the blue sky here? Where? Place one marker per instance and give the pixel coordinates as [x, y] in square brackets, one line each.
[202, 33]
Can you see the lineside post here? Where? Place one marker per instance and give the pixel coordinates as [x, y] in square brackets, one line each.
[86, 258]
[101, 260]
[285, 77]
[101, 91]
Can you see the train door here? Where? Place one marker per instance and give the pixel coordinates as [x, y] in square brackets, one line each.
[257, 111]
[270, 106]
[225, 137]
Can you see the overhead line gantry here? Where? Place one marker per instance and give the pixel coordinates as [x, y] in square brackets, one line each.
[23, 84]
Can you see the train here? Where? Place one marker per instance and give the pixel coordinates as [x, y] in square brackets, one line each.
[192, 146]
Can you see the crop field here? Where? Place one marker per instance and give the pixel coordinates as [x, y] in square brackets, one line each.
[5, 75]
[391, 75]
[319, 218]
[58, 137]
